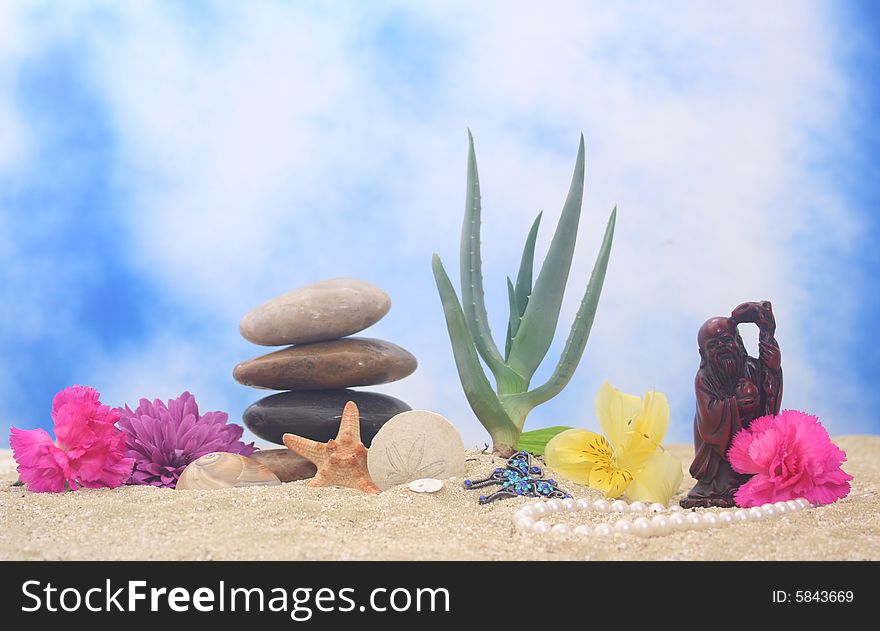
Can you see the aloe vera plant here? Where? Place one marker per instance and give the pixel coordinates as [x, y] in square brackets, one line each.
[534, 314]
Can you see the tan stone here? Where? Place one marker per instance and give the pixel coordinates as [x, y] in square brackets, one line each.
[321, 311]
[287, 465]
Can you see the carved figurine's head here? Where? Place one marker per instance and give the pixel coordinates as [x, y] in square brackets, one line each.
[721, 347]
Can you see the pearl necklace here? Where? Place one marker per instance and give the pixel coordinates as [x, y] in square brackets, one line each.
[679, 520]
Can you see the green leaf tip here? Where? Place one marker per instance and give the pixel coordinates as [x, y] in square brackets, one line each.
[526, 268]
[541, 315]
[536, 440]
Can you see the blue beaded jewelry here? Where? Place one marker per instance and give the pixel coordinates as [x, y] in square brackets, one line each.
[520, 477]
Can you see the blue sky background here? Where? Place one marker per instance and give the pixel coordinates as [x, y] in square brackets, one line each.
[166, 167]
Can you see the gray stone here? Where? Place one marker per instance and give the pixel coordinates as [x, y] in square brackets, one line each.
[321, 311]
[316, 414]
[352, 361]
[413, 445]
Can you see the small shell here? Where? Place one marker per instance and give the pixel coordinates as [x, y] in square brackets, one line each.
[426, 485]
[220, 470]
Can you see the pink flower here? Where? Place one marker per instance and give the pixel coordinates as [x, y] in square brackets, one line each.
[90, 451]
[790, 456]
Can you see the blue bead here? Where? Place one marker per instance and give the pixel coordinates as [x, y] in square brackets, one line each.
[467, 482]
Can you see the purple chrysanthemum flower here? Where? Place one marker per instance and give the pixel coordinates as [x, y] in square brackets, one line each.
[164, 439]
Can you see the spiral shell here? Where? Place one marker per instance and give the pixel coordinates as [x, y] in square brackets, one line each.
[220, 470]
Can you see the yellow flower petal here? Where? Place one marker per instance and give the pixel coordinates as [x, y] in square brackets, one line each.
[658, 480]
[654, 417]
[574, 453]
[646, 432]
[616, 412]
[610, 480]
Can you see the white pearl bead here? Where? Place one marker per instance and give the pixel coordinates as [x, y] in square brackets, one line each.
[725, 518]
[554, 505]
[756, 514]
[523, 525]
[793, 506]
[540, 527]
[781, 507]
[602, 506]
[560, 530]
[662, 525]
[618, 506]
[769, 510]
[637, 507]
[643, 527]
[804, 502]
[676, 508]
[710, 520]
[679, 521]
[585, 505]
[694, 521]
[569, 504]
[657, 507]
[741, 515]
[583, 531]
[523, 512]
[603, 530]
[623, 526]
[539, 509]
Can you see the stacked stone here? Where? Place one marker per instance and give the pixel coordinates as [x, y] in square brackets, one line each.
[321, 363]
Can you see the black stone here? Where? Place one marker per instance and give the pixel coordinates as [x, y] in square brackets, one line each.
[316, 414]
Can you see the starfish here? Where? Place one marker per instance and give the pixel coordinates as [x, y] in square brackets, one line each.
[341, 461]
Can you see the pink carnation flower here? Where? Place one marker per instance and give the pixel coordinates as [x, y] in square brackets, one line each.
[790, 456]
[163, 439]
[90, 450]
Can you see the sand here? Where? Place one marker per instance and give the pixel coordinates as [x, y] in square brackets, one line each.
[292, 522]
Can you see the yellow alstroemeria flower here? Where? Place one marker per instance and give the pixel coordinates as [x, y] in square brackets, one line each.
[629, 458]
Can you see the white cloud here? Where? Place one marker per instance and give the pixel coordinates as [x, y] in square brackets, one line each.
[271, 145]
[13, 136]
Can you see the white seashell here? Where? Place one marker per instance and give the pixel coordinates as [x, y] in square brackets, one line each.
[221, 470]
[426, 485]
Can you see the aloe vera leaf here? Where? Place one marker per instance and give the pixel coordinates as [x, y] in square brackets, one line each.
[580, 329]
[536, 440]
[476, 386]
[541, 316]
[519, 296]
[526, 266]
[513, 322]
[472, 296]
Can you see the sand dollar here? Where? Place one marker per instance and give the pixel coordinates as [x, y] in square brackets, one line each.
[426, 485]
[414, 445]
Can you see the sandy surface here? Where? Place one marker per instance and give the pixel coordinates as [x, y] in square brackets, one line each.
[293, 521]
